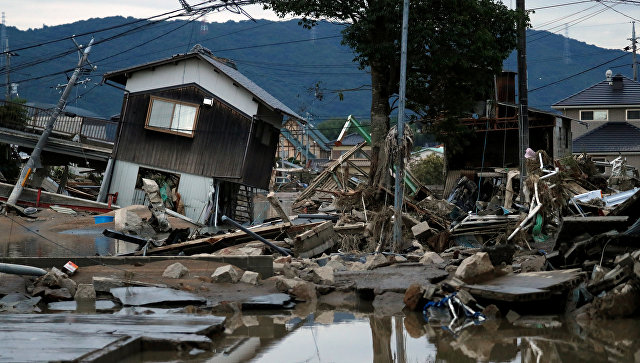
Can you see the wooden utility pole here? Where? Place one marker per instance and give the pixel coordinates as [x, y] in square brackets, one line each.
[34, 159]
[523, 124]
[399, 182]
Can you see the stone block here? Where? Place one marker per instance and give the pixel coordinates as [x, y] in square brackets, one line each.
[85, 293]
[422, 231]
[175, 271]
[431, 258]
[474, 267]
[226, 274]
[250, 277]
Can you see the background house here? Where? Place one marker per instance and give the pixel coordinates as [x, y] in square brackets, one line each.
[609, 112]
[301, 141]
[359, 164]
[194, 122]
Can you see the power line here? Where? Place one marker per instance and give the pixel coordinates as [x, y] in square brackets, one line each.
[577, 74]
[559, 5]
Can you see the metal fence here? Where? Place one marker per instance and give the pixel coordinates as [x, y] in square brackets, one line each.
[31, 119]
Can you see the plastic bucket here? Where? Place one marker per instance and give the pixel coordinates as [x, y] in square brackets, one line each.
[102, 219]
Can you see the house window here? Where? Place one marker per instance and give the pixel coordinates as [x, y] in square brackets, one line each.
[633, 114]
[594, 115]
[172, 116]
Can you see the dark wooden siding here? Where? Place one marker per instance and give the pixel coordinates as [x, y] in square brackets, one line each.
[216, 150]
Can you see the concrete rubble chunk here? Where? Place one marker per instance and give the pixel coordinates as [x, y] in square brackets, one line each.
[225, 274]
[375, 260]
[302, 290]
[413, 295]
[127, 221]
[175, 271]
[422, 231]
[85, 293]
[68, 284]
[336, 265]
[431, 258]
[250, 277]
[322, 275]
[474, 267]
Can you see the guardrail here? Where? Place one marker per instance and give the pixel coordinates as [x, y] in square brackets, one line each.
[31, 119]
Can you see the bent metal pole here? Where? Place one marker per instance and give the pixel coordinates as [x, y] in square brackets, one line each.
[34, 159]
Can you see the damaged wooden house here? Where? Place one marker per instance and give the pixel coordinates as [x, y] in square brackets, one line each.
[206, 133]
[492, 148]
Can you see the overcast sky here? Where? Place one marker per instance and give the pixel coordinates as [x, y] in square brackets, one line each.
[606, 24]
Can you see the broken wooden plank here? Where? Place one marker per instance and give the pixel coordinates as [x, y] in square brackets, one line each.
[275, 203]
[315, 241]
[218, 242]
[319, 181]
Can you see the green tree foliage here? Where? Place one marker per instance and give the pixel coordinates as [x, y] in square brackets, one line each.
[429, 170]
[13, 114]
[454, 47]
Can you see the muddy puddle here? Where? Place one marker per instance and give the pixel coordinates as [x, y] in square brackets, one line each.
[348, 336]
[30, 241]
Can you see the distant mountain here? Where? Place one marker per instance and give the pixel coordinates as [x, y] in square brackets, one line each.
[303, 68]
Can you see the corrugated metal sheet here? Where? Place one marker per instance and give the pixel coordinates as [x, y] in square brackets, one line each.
[124, 181]
[194, 190]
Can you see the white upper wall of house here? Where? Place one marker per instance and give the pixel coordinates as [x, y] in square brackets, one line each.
[194, 71]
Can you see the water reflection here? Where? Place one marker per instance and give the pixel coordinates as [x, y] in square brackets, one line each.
[338, 336]
[23, 242]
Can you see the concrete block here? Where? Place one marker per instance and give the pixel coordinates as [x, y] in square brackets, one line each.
[175, 271]
[422, 231]
[225, 274]
[250, 277]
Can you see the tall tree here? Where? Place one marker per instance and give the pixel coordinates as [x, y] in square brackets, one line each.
[454, 49]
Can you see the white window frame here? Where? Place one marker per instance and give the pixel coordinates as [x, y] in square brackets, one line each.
[170, 130]
[626, 114]
[594, 111]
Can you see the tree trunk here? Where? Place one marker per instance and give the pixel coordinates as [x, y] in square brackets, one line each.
[379, 124]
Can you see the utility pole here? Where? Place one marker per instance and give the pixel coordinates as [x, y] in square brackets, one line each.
[633, 47]
[34, 159]
[523, 124]
[399, 190]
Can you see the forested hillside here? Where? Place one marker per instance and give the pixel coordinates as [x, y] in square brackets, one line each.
[309, 70]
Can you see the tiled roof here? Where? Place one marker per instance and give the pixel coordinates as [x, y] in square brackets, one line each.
[610, 137]
[205, 54]
[352, 139]
[602, 93]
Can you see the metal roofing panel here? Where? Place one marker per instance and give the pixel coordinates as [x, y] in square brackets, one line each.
[603, 94]
[610, 137]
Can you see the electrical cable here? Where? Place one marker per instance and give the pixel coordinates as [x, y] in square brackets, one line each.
[577, 74]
